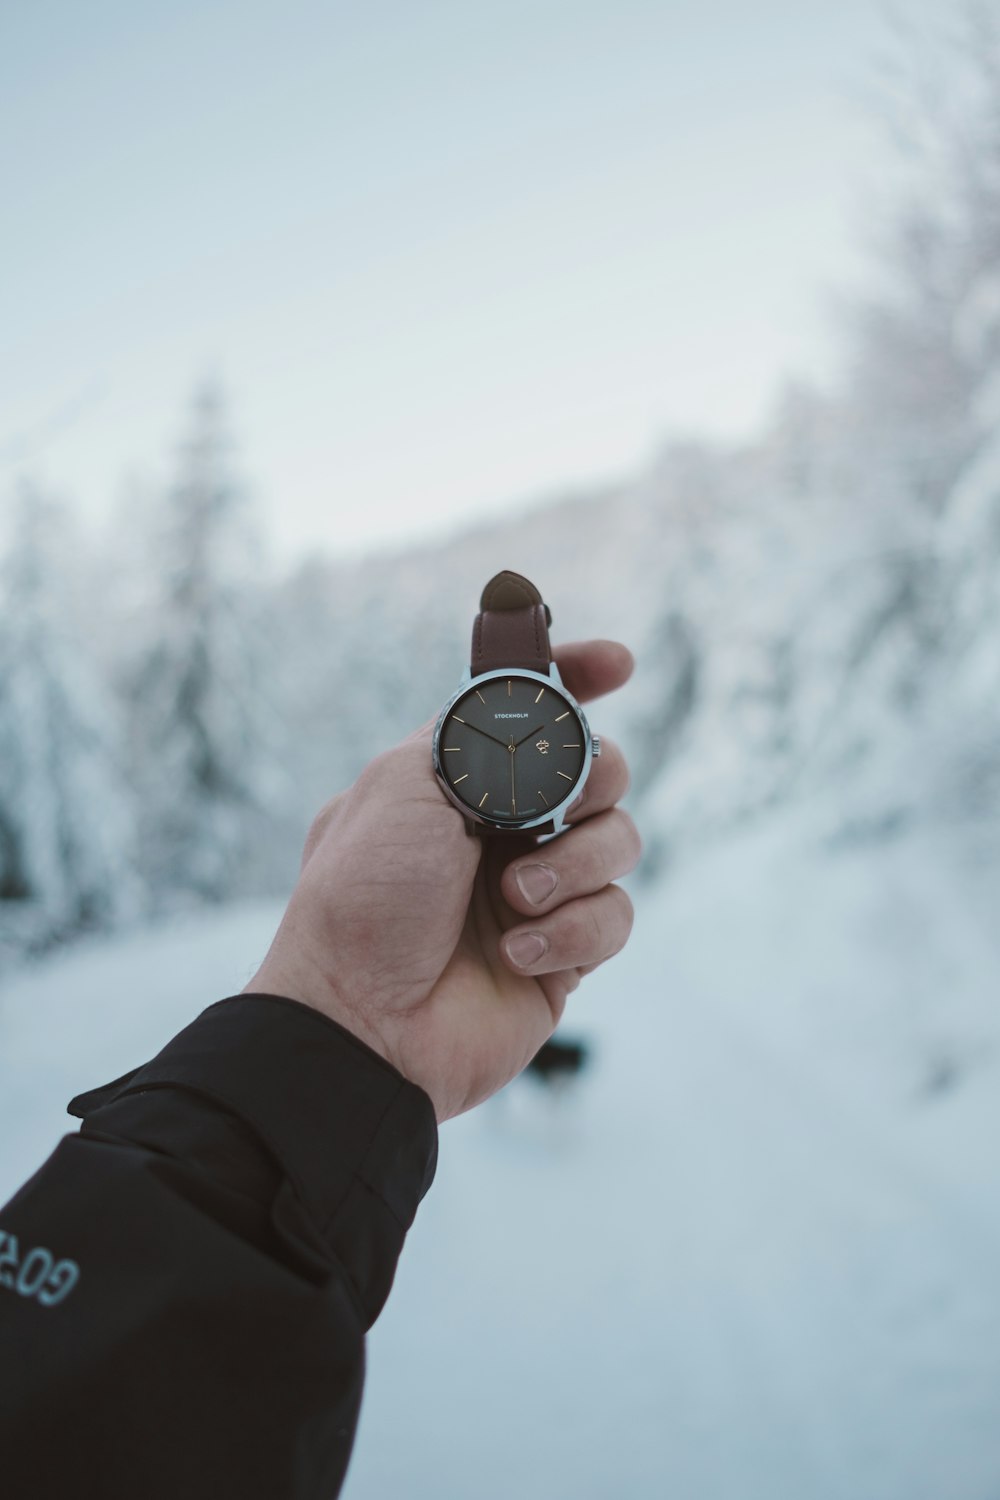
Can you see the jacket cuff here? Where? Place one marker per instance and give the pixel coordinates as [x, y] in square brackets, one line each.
[357, 1141]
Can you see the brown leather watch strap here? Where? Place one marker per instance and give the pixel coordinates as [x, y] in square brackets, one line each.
[512, 627]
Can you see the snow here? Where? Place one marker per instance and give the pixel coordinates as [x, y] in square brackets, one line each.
[752, 1251]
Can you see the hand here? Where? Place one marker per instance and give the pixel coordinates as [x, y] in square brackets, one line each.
[440, 950]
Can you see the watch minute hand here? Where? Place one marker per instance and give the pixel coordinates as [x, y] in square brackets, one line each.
[528, 735]
[486, 732]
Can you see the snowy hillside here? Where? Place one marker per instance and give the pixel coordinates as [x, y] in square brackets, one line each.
[792, 646]
[751, 1255]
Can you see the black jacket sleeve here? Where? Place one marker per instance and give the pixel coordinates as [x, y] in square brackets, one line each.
[186, 1283]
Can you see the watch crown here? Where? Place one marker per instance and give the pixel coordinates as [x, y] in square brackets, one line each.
[596, 739]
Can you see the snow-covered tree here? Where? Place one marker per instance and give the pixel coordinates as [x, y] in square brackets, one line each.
[907, 399]
[931, 356]
[66, 816]
[849, 639]
[204, 743]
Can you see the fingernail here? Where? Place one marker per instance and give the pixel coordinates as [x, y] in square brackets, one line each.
[526, 948]
[535, 882]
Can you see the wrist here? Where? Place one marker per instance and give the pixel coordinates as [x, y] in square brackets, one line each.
[309, 986]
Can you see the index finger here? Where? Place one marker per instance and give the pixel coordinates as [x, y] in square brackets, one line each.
[589, 669]
[592, 668]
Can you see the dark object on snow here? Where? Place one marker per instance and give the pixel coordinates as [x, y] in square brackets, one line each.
[556, 1060]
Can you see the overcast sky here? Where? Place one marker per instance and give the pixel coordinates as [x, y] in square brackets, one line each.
[444, 256]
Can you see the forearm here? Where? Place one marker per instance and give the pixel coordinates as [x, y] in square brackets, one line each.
[236, 1208]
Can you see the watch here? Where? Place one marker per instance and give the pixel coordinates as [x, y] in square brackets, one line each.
[512, 747]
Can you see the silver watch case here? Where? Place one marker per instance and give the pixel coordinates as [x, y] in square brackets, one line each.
[556, 815]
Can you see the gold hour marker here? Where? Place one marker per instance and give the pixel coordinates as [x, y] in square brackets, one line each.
[483, 798]
[544, 798]
[563, 774]
[540, 692]
[465, 777]
[460, 721]
[449, 749]
[562, 716]
[480, 696]
[571, 747]
[508, 687]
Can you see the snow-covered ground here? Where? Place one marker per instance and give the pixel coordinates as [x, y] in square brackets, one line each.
[753, 1252]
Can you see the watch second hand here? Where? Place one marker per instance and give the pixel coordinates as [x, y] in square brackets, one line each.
[513, 793]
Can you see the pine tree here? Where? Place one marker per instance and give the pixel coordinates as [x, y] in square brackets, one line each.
[202, 739]
[66, 817]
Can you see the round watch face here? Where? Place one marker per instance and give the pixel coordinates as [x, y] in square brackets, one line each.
[512, 747]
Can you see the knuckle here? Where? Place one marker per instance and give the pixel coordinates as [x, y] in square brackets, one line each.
[589, 936]
[369, 778]
[607, 847]
[626, 777]
[587, 854]
[633, 838]
[398, 770]
[626, 913]
[621, 776]
[591, 866]
[318, 827]
[598, 926]
[624, 901]
[581, 929]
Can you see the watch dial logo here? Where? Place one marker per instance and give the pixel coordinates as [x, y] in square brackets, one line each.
[542, 746]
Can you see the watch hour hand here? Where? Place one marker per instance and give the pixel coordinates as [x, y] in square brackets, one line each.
[529, 734]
